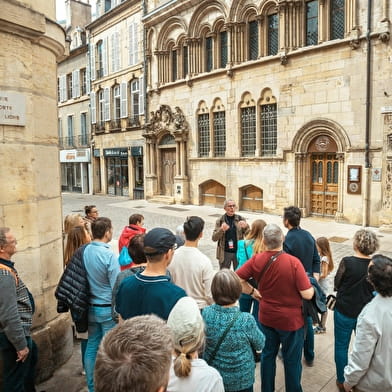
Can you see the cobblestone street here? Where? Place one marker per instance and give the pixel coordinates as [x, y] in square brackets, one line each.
[321, 377]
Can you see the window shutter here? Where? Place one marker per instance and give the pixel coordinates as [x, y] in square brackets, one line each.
[107, 103]
[73, 84]
[135, 43]
[63, 88]
[105, 56]
[124, 101]
[117, 54]
[93, 108]
[92, 62]
[141, 95]
[131, 45]
[88, 80]
[113, 65]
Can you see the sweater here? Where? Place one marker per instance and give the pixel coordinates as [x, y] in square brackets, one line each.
[16, 306]
[234, 359]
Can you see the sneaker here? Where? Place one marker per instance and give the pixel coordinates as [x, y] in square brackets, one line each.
[319, 330]
[309, 363]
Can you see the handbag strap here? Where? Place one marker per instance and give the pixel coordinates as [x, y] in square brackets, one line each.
[270, 261]
[218, 344]
[246, 253]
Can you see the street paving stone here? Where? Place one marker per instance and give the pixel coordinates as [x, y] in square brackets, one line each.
[321, 377]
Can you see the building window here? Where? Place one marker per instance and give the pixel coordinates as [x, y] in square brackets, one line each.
[83, 79]
[223, 48]
[219, 124]
[58, 90]
[100, 59]
[203, 125]
[185, 61]
[83, 129]
[69, 86]
[174, 65]
[60, 128]
[101, 106]
[312, 22]
[108, 5]
[337, 19]
[208, 58]
[268, 122]
[248, 131]
[139, 171]
[70, 129]
[273, 34]
[253, 40]
[116, 102]
[135, 91]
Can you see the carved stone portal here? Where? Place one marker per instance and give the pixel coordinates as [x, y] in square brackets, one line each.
[166, 134]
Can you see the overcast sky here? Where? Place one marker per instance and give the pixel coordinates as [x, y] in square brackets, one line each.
[60, 8]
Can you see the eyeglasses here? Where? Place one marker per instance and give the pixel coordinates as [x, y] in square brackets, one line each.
[94, 212]
[175, 246]
[230, 206]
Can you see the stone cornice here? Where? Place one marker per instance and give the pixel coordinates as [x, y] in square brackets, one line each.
[19, 20]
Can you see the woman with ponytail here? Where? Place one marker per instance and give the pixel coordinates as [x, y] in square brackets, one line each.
[188, 372]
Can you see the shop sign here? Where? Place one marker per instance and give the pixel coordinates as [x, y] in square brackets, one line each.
[115, 152]
[75, 155]
[12, 108]
[137, 151]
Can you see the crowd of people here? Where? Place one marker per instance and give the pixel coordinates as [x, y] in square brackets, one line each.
[160, 318]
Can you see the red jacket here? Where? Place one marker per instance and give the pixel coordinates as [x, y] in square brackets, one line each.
[128, 233]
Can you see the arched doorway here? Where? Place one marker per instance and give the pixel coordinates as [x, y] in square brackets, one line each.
[212, 194]
[319, 148]
[324, 176]
[167, 150]
[251, 198]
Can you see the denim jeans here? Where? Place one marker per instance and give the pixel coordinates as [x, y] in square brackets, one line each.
[99, 322]
[18, 376]
[343, 328]
[292, 344]
[309, 340]
[246, 301]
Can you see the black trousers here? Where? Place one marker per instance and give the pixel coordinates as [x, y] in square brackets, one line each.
[18, 376]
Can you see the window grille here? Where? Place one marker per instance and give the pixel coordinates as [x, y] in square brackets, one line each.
[248, 131]
[312, 22]
[273, 34]
[253, 40]
[185, 61]
[203, 125]
[223, 49]
[219, 124]
[269, 131]
[174, 65]
[208, 54]
[337, 19]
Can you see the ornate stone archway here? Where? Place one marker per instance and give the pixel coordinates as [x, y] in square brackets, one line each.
[310, 138]
[164, 125]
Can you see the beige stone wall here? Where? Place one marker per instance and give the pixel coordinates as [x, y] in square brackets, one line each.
[319, 83]
[30, 202]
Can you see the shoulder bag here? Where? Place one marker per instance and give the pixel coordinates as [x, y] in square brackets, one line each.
[218, 344]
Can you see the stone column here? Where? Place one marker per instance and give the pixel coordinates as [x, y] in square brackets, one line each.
[30, 200]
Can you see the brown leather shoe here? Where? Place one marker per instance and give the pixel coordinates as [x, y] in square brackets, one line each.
[340, 386]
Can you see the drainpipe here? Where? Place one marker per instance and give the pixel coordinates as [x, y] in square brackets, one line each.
[365, 216]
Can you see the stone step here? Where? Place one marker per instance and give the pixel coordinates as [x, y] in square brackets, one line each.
[162, 199]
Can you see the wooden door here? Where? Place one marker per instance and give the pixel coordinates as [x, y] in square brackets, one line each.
[168, 170]
[252, 199]
[324, 184]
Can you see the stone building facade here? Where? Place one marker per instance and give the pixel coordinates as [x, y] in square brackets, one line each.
[31, 43]
[117, 98]
[278, 103]
[74, 104]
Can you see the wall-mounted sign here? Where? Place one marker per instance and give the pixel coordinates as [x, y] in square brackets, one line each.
[137, 151]
[75, 155]
[376, 174]
[115, 152]
[12, 108]
[354, 179]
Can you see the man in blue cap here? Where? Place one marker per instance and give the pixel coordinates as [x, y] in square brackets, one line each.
[151, 291]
